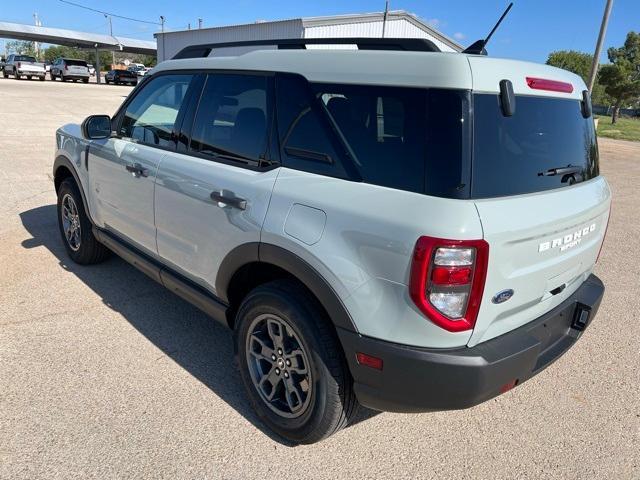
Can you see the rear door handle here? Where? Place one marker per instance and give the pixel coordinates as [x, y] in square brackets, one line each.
[229, 198]
[137, 170]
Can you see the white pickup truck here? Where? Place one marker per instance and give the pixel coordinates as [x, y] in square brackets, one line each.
[23, 65]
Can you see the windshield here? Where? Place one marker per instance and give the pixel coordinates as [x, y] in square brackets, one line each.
[518, 154]
[23, 58]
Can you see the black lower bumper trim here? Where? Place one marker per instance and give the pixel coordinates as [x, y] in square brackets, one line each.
[420, 379]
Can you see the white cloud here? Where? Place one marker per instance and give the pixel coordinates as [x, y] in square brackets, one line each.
[459, 36]
[434, 22]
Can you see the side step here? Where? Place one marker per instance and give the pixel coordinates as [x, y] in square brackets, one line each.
[182, 287]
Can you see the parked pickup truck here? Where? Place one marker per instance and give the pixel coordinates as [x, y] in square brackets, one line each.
[23, 66]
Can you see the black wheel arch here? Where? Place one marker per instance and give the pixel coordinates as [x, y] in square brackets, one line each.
[64, 168]
[267, 256]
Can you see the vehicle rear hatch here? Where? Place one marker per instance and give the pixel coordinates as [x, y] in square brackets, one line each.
[76, 67]
[544, 225]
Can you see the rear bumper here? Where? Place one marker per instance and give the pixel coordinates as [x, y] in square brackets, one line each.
[420, 379]
[34, 73]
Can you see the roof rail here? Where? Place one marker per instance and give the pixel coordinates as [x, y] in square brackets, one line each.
[406, 44]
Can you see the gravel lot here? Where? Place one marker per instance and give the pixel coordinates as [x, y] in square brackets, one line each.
[104, 374]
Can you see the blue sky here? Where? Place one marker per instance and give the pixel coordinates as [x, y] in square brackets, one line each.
[532, 29]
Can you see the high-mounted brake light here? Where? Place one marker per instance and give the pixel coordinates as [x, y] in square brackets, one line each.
[447, 280]
[551, 85]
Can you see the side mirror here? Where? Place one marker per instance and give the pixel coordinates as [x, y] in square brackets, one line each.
[96, 127]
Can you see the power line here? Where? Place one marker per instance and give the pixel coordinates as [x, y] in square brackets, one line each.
[110, 14]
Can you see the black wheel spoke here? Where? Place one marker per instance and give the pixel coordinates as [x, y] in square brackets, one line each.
[260, 350]
[270, 381]
[297, 363]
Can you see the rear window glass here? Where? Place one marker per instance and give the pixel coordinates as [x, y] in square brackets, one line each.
[403, 138]
[23, 58]
[76, 63]
[514, 155]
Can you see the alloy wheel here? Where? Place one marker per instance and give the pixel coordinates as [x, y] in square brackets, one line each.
[71, 222]
[279, 366]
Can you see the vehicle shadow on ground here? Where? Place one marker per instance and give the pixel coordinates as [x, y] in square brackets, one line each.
[189, 337]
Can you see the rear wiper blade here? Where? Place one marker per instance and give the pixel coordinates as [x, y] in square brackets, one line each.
[568, 170]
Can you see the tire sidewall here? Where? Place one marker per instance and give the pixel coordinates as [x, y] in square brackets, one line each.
[295, 315]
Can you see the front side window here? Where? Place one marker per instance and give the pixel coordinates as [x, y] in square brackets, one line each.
[151, 116]
[232, 118]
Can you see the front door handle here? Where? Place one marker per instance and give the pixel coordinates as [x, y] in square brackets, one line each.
[137, 170]
[228, 198]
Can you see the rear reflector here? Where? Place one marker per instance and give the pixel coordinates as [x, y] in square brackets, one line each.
[508, 386]
[369, 360]
[551, 85]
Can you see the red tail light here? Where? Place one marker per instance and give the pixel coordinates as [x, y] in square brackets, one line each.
[19, 64]
[447, 280]
[66, 68]
[546, 84]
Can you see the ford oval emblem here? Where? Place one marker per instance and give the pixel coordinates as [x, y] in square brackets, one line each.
[502, 296]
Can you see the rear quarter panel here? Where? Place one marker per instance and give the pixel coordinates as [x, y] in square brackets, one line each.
[365, 245]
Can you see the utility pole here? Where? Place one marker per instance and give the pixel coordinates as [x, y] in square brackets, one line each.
[163, 50]
[384, 18]
[113, 54]
[596, 55]
[199, 23]
[37, 23]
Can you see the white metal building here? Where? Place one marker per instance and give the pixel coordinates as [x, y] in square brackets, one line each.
[399, 24]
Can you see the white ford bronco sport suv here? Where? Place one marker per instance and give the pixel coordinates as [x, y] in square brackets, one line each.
[390, 226]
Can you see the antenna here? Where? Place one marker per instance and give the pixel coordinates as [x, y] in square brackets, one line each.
[477, 47]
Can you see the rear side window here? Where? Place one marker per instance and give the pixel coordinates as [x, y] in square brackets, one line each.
[514, 155]
[151, 116]
[409, 139]
[75, 63]
[307, 139]
[232, 117]
[404, 138]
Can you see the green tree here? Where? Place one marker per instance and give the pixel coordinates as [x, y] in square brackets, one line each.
[580, 64]
[621, 78]
[21, 48]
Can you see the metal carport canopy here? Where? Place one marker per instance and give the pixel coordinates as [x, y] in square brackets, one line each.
[73, 38]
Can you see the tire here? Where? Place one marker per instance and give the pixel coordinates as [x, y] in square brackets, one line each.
[85, 80]
[28, 77]
[17, 75]
[82, 247]
[4, 73]
[328, 403]
[62, 78]
[42, 79]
